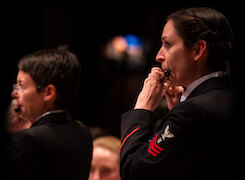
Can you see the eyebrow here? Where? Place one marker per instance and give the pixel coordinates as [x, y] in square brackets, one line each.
[20, 81]
[164, 38]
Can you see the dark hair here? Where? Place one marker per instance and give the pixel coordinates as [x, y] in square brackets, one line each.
[203, 23]
[54, 66]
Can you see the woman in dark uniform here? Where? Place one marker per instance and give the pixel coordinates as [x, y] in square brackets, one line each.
[192, 139]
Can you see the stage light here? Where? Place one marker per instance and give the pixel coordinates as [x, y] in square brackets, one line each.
[133, 40]
[119, 43]
[127, 48]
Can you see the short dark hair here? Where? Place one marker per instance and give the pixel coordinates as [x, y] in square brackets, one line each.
[59, 67]
[204, 23]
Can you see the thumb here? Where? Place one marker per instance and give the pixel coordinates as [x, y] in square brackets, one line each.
[177, 90]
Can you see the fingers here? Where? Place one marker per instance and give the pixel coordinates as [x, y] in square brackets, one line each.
[173, 94]
[174, 90]
[156, 75]
[179, 90]
[152, 91]
[157, 71]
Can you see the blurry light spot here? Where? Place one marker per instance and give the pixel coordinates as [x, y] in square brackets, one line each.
[119, 43]
[135, 49]
[133, 40]
[127, 48]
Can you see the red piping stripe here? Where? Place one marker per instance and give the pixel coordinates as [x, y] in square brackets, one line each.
[130, 134]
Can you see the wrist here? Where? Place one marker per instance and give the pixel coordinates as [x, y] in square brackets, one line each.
[143, 107]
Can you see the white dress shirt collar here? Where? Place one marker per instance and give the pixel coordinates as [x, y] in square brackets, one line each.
[49, 112]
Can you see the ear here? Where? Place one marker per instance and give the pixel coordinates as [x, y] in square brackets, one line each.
[199, 49]
[49, 93]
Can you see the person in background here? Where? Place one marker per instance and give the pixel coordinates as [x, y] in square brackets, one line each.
[106, 160]
[194, 140]
[54, 146]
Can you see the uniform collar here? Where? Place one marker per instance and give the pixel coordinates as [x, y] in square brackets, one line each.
[55, 115]
[197, 82]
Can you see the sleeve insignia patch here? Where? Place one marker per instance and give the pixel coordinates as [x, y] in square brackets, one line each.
[166, 134]
[154, 148]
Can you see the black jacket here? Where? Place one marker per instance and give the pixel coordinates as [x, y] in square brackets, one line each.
[193, 140]
[55, 147]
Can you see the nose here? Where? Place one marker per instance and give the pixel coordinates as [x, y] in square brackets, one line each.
[160, 56]
[15, 93]
[94, 176]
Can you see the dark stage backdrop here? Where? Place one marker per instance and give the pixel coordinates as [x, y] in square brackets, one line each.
[108, 88]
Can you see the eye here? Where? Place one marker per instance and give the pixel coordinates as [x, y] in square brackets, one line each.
[105, 171]
[20, 83]
[166, 44]
[19, 86]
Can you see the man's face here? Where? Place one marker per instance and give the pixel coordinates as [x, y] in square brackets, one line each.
[29, 100]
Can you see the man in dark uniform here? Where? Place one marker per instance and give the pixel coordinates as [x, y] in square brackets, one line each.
[194, 139]
[55, 146]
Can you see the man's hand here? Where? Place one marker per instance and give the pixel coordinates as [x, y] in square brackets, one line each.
[15, 123]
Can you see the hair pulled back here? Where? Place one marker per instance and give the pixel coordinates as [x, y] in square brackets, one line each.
[203, 23]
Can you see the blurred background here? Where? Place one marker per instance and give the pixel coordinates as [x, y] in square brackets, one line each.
[116, 45]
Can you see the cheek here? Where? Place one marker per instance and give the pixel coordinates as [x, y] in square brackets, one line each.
[177, 62]
[173, 61]
[28, 98]
[29, 101]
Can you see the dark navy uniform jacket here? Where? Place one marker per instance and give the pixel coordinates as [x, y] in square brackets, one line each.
[55, 147]
[193, 140]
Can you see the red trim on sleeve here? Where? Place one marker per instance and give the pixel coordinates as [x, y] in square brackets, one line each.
[126, 138]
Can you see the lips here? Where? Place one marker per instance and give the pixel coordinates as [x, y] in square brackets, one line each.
[17, 107]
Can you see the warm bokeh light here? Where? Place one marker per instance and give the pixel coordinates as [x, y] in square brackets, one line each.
[119, 43]
[125, 48]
